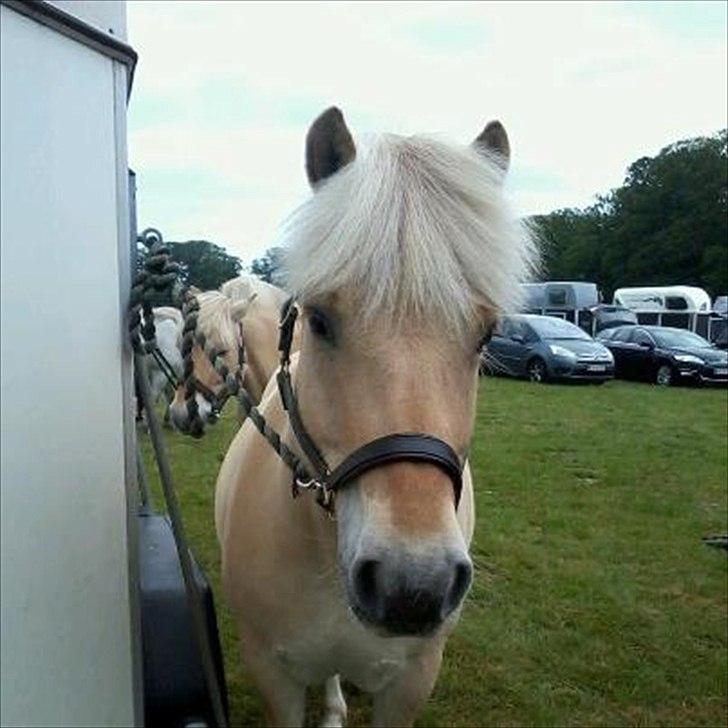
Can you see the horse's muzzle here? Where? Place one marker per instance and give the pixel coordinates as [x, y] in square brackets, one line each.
[180, 416]
[408, 595]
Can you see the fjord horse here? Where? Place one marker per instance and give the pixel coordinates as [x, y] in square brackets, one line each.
[400, 262]
[260, 328]
[168, 333]
[220, 320]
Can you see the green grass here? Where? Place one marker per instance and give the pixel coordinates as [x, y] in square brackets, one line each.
[594, 602]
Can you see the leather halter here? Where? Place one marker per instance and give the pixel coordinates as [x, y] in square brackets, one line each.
[217, 400]
[396, 447]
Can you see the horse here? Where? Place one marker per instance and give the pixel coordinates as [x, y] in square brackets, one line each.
[399, 263]
[168, 332]
[260, 329]
[220, 320]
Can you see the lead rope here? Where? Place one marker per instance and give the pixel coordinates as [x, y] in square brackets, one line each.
[159, 274]
[232, 386]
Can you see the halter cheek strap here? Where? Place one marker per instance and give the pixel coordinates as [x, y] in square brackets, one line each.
[215, 357]
[397, 447]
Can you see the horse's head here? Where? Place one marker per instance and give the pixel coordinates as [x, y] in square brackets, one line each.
[220, 320]
[401, 261]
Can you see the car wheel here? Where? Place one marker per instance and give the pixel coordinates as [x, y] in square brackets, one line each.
[664, 376]
[536, 371]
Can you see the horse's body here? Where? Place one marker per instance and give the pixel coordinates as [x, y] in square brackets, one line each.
[280, 573]
[400, 261]
[260, 328]
[168, 331]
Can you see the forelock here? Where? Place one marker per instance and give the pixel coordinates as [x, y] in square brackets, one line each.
[413, 228]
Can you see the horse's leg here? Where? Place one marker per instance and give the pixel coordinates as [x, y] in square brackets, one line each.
[284, 699]
[335, 704]
[399, 703]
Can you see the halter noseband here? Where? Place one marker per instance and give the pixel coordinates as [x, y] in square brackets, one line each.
[193, 385]
[397, 447]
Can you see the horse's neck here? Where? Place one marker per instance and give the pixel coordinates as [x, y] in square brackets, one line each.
[302, 518]
[261, 351]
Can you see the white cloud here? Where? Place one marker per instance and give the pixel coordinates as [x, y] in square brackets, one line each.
[584, 89]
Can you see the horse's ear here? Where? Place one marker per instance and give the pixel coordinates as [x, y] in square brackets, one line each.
[494, 141]
[329, 146]
[240, 308]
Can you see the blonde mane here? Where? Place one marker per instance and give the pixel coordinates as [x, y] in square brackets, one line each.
[413, 227]
[247, 287]
[215, 319]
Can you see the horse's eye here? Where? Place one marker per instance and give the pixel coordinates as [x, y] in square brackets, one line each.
[486, 337]
[320, 326]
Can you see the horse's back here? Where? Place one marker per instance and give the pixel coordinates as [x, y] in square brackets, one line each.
[244, 287]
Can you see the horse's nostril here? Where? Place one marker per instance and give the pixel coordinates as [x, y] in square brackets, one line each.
[458, 588]
[365, 584]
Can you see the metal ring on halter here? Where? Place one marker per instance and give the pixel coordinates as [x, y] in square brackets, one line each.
[325, 495]
[311, 484]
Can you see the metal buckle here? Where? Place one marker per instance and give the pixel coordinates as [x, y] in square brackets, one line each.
[324, 496]
[312, 484]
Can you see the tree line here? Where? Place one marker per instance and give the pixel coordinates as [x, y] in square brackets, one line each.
[666, 225]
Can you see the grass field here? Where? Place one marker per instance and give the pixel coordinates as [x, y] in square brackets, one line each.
[594, 601]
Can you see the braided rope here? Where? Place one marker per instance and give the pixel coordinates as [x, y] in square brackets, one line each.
[160, 274]
[261, 424]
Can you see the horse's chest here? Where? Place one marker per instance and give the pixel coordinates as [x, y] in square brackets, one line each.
[364, 659]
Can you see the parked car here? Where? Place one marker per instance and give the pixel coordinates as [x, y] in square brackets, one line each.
[543, 347]
[664, 355]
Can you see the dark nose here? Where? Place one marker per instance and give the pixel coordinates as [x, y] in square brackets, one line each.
[409, 596]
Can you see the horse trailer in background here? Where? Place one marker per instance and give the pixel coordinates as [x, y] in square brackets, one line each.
[570, 300]
[71, 652]
[719, 322]
[606, 316]
[682, 307]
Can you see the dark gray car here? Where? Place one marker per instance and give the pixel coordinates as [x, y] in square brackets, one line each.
[543, 347]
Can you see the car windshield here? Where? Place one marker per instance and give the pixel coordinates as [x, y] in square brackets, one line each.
[555, 328]
[672, 338]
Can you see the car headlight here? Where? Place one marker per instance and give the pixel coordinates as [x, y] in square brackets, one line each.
[557, 350]
[608, 355]
[689, 359]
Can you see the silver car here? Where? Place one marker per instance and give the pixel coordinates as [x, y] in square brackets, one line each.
[542, 348]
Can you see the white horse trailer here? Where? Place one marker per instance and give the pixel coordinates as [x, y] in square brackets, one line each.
[573, 301]
[685, 307]
[69, 628]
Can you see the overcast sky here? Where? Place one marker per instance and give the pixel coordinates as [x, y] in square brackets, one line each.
[224, 93]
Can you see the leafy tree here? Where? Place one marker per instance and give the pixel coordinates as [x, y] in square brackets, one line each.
[203, 264]
[667, 224]
[269, 267]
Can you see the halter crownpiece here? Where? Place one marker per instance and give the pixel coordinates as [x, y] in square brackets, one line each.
[396, 447]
